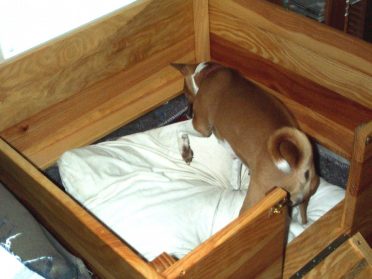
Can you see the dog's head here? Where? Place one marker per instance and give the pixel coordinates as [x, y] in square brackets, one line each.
[194, 75]
[291, 153]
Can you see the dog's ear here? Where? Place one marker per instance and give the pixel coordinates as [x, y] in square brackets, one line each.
[185, 69]
[290, 149]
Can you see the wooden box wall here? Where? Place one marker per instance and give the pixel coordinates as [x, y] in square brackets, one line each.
[77, 88]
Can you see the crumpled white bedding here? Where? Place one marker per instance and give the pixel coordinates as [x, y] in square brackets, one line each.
[12, 268]
[141, 188]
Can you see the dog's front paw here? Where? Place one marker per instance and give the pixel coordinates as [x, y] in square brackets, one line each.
[187, 154]
[186, 151]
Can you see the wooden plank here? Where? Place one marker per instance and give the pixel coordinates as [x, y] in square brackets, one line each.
[89, 115]
[347, 261]
[272, 53]
[313, 240]
[358, 208]
[363, 142]
[257, 50]
[162, 262]
[290, 84]
[360, 244]
[309, 78]
[330, 118]
[101, 249]
[201, 27]
[67, 65]
[339, 62]
[333, 135]
[234, 251]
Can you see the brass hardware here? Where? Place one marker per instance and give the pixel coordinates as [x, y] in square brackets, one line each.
[277, 209]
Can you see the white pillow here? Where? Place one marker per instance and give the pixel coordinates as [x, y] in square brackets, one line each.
[326, 197]
[142, 189]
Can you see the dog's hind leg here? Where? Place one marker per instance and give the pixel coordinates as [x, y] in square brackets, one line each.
[254, 195]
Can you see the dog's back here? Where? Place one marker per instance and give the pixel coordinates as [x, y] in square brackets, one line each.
[240, 111]
[258, 128]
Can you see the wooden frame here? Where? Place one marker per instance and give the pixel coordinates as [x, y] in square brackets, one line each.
[77, 88]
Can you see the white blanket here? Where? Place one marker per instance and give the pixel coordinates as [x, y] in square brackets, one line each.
[142, 189]
[12, 268]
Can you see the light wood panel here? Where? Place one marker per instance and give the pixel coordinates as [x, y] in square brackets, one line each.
[351, 260]
[201, 27]
[249, 246]
[105, 253]
[313, 240]
[325, 85]
[363, 142]
[89, 115]
[328, 57]
[162, 262]
[358, 216]
[67, 65]
[317, 125]
[328, 117]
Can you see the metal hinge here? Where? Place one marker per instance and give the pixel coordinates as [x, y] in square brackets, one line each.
[320, 257]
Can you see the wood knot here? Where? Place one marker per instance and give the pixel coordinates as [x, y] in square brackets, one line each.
[24, 127]
[368, 140]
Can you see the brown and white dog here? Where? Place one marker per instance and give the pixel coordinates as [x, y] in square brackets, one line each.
[256, 127]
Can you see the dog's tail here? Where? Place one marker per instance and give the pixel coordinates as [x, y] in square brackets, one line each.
[290, 149]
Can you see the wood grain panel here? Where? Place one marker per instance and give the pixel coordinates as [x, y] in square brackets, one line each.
[325, 56]
[234, 251]
[87, 116]
[105, 253]
[291, 84]
[330, 134]
[201, 27]
[162, 262]
[363, 141]
[358, 217]
[350, 260]
[324, 115]
[304, 247]
[358, 212]
[67, 65]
